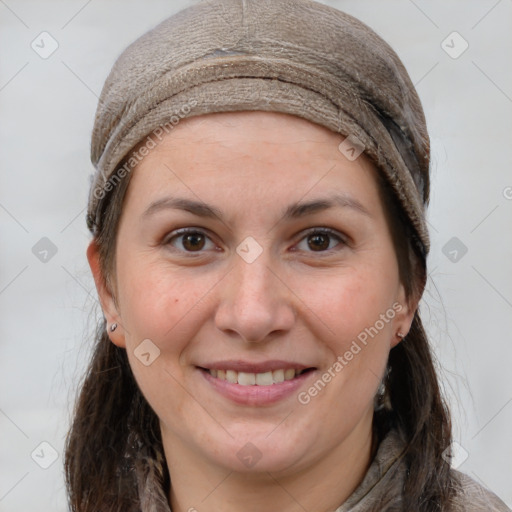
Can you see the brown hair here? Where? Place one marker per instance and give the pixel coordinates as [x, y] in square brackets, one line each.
[113, 423]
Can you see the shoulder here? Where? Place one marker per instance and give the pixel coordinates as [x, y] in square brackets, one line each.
[473, 497]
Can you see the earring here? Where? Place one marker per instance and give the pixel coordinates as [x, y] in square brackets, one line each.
[113, 327]
[401, 335]
[382, 389]
[382, 400]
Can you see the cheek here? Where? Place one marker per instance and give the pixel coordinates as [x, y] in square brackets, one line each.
[352, 299]
[167, 307]
[157, 302]
[354, 310]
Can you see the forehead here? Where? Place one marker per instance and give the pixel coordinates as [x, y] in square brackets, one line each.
[259, 158]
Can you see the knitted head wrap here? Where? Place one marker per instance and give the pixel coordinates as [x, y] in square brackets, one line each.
[293, 56]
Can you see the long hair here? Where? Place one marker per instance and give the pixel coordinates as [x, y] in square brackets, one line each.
[113, 423]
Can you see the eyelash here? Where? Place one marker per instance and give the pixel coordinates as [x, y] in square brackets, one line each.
[312, 231]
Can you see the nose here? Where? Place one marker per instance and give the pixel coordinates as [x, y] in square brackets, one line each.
[255, 302]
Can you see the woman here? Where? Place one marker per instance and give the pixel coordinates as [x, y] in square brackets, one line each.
[259, 250]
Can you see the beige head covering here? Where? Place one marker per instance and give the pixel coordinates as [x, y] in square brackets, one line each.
[293, 56]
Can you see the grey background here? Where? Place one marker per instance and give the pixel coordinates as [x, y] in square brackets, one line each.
[46, 113]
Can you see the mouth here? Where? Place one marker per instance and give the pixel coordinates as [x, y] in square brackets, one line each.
[267, 378]
[262, 388]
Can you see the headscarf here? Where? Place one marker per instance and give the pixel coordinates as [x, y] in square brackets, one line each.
[293, 56]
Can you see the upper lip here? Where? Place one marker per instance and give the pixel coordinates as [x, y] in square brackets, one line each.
[251, 367]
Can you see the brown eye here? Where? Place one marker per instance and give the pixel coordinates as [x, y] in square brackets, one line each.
[190, 240]
[318, 242]
[193, 241]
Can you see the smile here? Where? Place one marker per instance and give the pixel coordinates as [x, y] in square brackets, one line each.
[257, 379]
[256, 389]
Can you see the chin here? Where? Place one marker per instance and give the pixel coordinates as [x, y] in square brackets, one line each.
[260, 452]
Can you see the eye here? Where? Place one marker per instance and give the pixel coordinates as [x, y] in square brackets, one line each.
[190, 240]
[320, 240]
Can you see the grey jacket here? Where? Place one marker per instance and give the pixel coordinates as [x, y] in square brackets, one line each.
[379, 491]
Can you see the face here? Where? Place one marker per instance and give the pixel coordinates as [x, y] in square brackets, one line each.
[249, 249]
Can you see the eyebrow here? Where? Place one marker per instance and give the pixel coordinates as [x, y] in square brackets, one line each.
[293, 211]
[302, 209]
[178, 203]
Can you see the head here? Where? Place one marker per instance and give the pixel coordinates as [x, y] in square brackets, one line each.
[293, 251]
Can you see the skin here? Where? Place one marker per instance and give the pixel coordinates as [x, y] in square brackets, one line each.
[303, 299]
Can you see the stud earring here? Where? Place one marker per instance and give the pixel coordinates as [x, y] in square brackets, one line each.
[113, 327]
[401, 335]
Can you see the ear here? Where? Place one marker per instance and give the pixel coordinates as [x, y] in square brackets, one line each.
[107, 301]
[405, 310]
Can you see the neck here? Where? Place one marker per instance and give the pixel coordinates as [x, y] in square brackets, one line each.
[199, 485]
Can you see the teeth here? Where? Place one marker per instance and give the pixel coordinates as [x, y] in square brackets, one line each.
[259, 379]
[264, 379]
[246, 379]
[232, 376]
[289, 374]
[278, 376]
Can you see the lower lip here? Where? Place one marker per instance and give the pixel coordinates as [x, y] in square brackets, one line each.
[257, 395]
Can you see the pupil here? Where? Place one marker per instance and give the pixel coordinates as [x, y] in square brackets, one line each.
[321, 241]
[193, 241]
